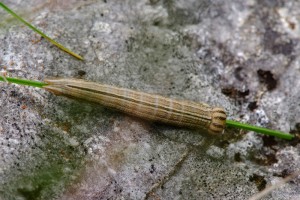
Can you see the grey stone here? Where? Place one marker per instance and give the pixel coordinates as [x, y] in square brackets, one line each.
[225, 53]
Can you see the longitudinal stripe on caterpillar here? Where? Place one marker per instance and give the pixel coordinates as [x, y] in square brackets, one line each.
[147, 106]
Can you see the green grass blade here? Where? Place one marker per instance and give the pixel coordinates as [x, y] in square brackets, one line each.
[257, 129]
[23, 82]
[40, 32]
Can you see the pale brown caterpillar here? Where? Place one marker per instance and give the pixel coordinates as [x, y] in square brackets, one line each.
[147, 106]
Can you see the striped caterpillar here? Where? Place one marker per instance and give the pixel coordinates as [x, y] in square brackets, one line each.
[146, 106]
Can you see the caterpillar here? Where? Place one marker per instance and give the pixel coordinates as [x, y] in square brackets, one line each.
[143, 105]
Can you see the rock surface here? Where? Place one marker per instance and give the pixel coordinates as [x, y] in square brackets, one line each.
[242, 55]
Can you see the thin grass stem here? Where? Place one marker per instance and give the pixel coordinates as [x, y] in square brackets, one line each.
[257, 129]
[40, 32]
[23, 82]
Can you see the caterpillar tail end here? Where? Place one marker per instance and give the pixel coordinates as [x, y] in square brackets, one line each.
[218, 121]
[54, 86]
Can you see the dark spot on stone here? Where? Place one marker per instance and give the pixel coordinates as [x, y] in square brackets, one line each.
[222, 143]
[13, 93]
[156, 23]
[15, 125]
[269, 141]
[267, 78]
[151, 159]
[152, 168]
[234, 93]
[283, 174]
[243, 93]
[292, 25]
[237, 157]
[265, 159]
[259, 181]
[101, 14]
[238, 74]
[252, 105]
[81, 72]
[228, 91]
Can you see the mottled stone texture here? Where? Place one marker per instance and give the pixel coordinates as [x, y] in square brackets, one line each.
[242, 55]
